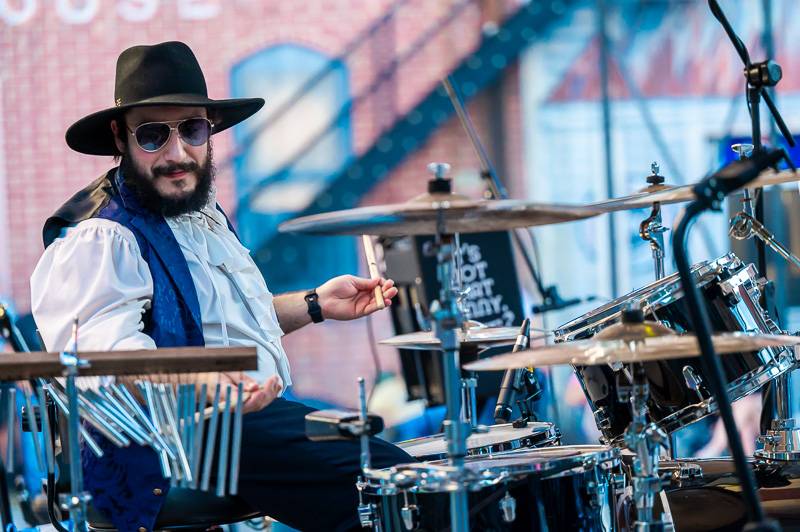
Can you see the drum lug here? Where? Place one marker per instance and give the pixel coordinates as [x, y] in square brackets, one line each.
[619, 482]
[408, 513]
[687, 471]
[601, 418]
[692, 379]
[366, 512]
[596, 492]
[508, 506]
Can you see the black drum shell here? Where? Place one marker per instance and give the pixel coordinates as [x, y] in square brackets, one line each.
[580, 499]
[671, 403]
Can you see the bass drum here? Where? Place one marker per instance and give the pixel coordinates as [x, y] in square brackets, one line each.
[499, 438]
[679, 394]
[554, 488]
[705, 494]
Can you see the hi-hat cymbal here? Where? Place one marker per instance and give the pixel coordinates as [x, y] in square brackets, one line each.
[474, 336]
[439, 212]
[597, 352]
[676, 194]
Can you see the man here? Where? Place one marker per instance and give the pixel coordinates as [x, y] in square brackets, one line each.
[145, 258]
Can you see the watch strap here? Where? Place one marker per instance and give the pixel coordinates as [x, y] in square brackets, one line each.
[314, 310]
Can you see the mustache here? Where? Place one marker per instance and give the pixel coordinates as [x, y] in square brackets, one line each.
[175, 167]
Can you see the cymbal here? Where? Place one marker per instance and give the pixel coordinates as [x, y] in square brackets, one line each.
[428, 214]
[597, 352]
[477, 336]
[676, 194]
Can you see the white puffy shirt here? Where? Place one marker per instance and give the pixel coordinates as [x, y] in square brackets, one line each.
[95, 271]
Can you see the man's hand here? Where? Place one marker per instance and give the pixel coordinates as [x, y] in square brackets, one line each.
[255, 396]
[348, 297]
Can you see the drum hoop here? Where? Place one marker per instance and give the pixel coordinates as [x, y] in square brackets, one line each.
[587, 457]
[547, 436]
[655, 295]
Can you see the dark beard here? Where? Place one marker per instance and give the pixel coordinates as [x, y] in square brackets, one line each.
[145, 192]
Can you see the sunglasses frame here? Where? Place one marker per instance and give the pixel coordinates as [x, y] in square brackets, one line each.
[171, 129]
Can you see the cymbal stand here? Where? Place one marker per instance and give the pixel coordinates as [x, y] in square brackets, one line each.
[447, 319]
[645, 439]
[651, 230]
[782, 441]
[78, 499]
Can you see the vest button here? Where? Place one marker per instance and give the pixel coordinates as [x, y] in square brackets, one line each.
[157, 491]
[142, 529]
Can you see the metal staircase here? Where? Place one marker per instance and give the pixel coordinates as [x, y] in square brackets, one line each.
[297, 261]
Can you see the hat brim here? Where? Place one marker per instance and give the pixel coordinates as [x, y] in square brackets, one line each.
[92, 134]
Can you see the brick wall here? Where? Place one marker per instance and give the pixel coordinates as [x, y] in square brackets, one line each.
[58, 66]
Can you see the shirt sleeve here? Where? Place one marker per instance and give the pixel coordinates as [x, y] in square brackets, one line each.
[95, 272]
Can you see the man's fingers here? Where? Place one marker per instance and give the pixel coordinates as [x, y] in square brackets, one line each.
[362, 283]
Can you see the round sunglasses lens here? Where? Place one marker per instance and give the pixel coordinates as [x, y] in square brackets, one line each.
[152, 136]
[195, 131]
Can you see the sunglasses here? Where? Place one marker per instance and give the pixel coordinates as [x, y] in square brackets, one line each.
[152, 136]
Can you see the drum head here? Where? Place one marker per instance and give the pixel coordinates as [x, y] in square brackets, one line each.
[499, 438]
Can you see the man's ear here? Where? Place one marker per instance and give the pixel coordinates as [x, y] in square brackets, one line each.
[116, 127]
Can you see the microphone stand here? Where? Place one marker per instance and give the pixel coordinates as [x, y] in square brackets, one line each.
[759, 76]
[709, 193]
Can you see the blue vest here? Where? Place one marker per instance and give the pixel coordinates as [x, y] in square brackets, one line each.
[126, 483]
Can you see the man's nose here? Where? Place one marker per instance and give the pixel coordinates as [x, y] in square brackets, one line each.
[175, 151]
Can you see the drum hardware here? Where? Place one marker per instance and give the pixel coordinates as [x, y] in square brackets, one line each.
[645, 439]
[447, 319]
[508, 505]
[744, 226]
[78, 499]
[651, 230]
[744, 151]
[469, 401]
[710, 192]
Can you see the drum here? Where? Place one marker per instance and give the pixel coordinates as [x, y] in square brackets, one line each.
[500, 438]
[693, 484]
[554, 488]
[679, 394]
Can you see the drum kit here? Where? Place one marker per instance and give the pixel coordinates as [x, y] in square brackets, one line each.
[635, 358]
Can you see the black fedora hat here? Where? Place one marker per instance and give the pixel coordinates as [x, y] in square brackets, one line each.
[165, 74]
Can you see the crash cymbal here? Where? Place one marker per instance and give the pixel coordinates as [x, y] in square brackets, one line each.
[449, 213]
[475, 336]
[596, 352]
[676, 194]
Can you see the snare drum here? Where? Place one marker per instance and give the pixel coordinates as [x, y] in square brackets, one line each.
[500, 438]
[679, 394]
[554, 488]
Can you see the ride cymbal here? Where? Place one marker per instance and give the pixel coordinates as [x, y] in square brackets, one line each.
[444, 213]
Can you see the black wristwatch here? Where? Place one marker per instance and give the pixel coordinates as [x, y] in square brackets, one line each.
[314, 310]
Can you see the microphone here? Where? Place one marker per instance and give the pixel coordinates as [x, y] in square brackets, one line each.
[553, 301]
[512, 379]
